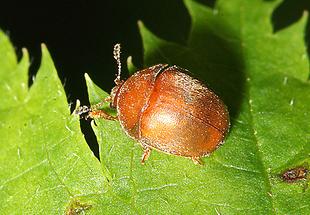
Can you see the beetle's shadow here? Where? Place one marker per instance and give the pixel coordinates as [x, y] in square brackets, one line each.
[213, 55]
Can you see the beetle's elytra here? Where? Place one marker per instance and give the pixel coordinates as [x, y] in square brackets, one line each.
[164, 108]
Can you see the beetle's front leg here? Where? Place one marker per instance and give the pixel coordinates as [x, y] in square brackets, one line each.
[101, 114]
[94, 112]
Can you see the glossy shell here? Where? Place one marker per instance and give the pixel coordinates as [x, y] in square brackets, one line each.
[164, 108]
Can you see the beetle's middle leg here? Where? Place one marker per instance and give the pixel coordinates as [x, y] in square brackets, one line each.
[146, 153]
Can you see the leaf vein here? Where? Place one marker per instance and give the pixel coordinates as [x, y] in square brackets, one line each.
[23, 173]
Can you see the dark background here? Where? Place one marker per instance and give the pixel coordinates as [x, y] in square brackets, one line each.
[80, 35]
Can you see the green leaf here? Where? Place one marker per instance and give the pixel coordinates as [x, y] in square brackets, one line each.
[46, 166]
[263, 78]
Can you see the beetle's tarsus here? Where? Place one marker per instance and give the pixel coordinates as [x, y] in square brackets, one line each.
[81, 110]
[146, 154]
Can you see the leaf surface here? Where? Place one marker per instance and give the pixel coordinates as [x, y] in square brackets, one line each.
[46, 166]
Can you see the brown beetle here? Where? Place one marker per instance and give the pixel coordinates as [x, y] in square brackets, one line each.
[164, 108]
[295, 174]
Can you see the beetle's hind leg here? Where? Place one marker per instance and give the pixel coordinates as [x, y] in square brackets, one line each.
[146, 153]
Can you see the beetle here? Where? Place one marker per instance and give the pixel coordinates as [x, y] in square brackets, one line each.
[164, 108]
[295, 174]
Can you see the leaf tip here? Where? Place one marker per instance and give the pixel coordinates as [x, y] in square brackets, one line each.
[131, 67]
[25, 54]
[305, 15]
[140, 24]
[45, 52]
[43, 47]
[93, 124]
[25, 51]
[87, 79]
[86, 76]
[143, 30]
[77, 104]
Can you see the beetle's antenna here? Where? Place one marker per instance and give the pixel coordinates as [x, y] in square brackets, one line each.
[117, 57]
